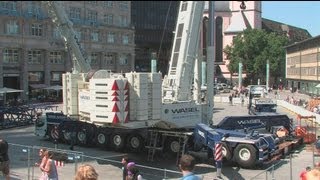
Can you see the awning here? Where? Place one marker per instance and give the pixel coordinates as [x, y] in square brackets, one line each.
[38, 86]
[5, 90]
[56, 88]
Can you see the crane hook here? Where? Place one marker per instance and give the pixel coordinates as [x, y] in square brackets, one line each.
[242, 5]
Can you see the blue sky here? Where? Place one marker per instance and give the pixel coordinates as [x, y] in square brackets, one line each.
[302, 14]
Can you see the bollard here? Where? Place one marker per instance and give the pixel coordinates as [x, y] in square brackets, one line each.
[218, 158]
[273, 178]
[29, 163]
[290, 166]
[165, 174]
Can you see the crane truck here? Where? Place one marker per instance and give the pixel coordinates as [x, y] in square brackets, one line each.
[259, 103]
[135, 111]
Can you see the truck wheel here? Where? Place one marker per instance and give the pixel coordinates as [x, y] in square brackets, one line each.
[245, 155]
[117, 141]
[102, 139]
[135, 142]
[82, 136]
[226, 152]
[172, 145]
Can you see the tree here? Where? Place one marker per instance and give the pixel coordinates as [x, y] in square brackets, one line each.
[253, 47]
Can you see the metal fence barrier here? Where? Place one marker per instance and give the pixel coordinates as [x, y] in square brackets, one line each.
[23, 159]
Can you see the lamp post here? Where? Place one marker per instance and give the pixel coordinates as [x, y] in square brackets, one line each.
[267, 74]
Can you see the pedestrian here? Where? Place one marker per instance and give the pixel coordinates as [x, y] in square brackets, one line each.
[313, 174]
[304, 172]
[230, 99]
[186, 165]
[133, 172]
[86, 172]
[50, 168]
[43, 161]
[125, 161]
[4, 158]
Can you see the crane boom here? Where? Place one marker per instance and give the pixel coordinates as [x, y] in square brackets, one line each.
[61, 20]
[185, 50]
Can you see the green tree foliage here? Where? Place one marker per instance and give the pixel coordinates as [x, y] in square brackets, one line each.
[254, 47]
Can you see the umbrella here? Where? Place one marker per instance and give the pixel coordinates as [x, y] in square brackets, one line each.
[56, 87]
[5, 90]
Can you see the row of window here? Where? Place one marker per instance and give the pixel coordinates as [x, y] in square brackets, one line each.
[307, 58]
[38, 76]
[92, 16]
[11, 56]
[12, 5]
[305, 71]
[12, 27]
[123, 5]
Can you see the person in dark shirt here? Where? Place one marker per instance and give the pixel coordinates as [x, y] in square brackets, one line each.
[4, 158]
[125, 161]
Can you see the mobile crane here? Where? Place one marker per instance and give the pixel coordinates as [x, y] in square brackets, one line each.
[139, 110]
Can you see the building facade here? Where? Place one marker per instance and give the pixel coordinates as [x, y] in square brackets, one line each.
[303, 66]
[33, 54]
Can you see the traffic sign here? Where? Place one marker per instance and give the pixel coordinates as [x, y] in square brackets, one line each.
[55, 133]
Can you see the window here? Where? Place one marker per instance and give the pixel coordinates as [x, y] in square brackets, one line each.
[123, 5]
[108, 19]
[110, 37]
[10, 56]
[78, 34]
[184, 5]
[34, 57]
[108, 4]
[75, 13]
[123, 21]
[93, 58]
[109, 58]
[10, 6]
[12, 27]
[95, 36]
[56, 33]
[92, 16]
[36, 30]
[55, 57]
[93, 2]
[125, 39]
[123, 59]
[56, 76]
[36, 76]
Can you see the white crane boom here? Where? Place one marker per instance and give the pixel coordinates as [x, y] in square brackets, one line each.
[61, 20]
[184, 51]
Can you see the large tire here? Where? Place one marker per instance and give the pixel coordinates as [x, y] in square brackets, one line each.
[227, 156]
[85, 134]
[172, 145]
[102, 139]
[117, 141]
[245, 155]
[135, 143]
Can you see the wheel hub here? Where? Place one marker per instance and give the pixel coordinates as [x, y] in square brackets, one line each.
[134, 142]
[101, 138]
[174, 146]
[117, 140]
[244, 154]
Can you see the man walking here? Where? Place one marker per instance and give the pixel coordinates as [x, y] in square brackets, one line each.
[186, 165]
[4, 158]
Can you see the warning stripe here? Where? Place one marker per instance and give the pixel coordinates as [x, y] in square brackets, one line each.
[218, 152]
